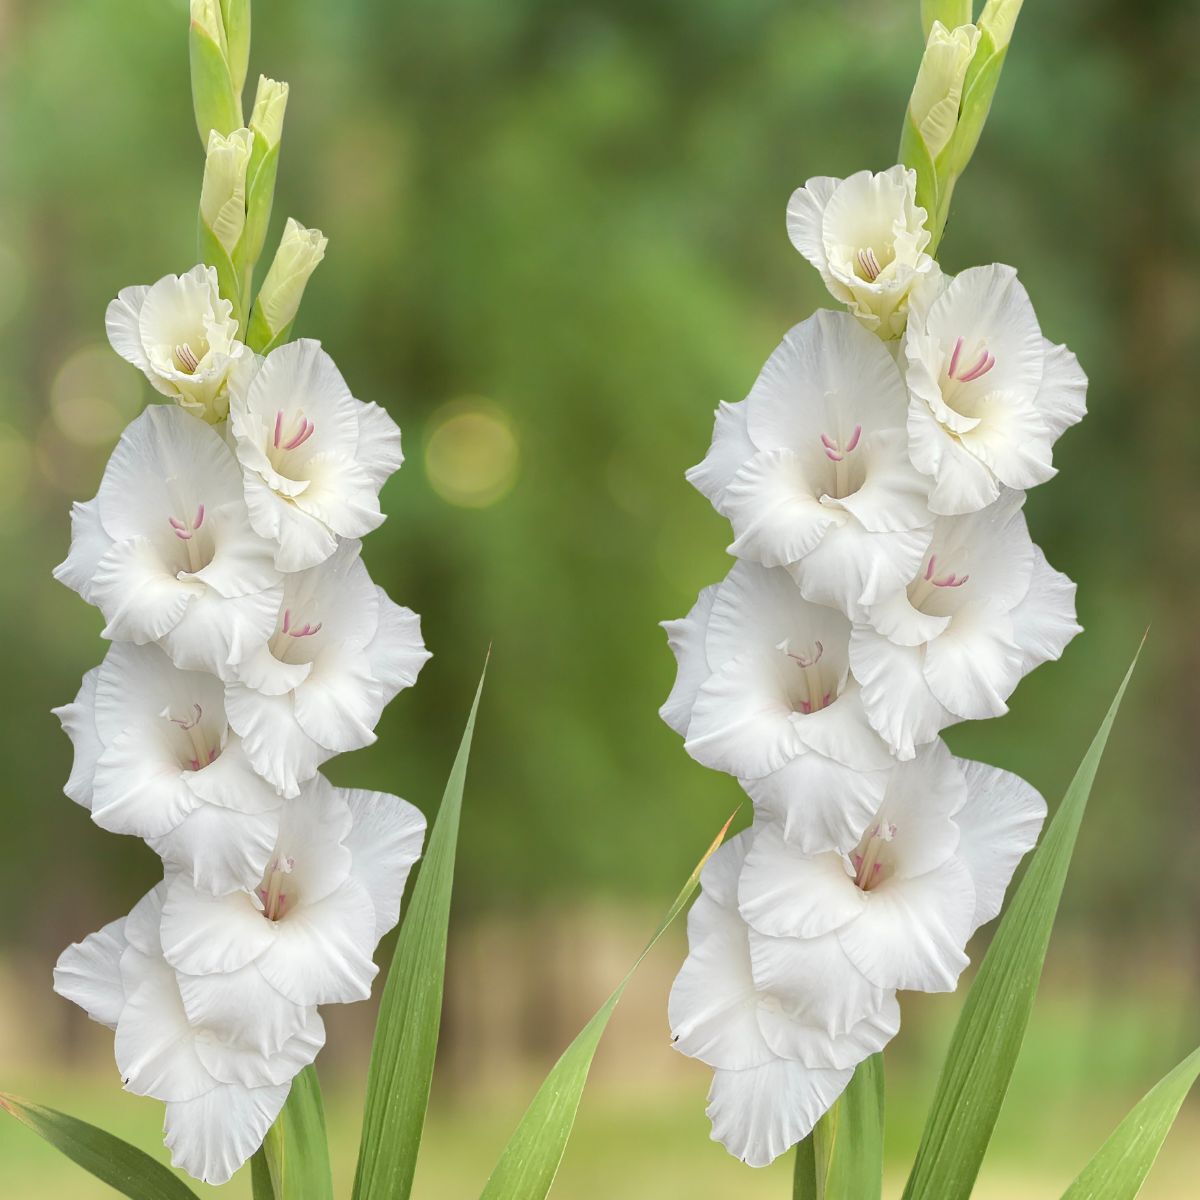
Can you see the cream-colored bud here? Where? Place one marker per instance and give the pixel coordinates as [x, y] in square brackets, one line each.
[270, 101]
[998, 18]
[223, 193]
[300, 251]
[938, 91]
[207, 15]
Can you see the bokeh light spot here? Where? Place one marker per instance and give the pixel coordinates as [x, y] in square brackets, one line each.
[94, 395]
[471, 453]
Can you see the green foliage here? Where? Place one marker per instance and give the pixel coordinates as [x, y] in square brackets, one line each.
[842, 1159]
[410, 1013]
[1123, 1162]
[296, 1151]
[989, 1033]
[532, 1156]
[123, 1167]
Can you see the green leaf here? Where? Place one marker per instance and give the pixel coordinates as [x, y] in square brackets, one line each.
[410, 1013]
[214, 101]
[989, 1033]
[842, 1159]
[261, 1187]
[296, 1150]
[951, 13]
[124, 1167]
[1121, 1165]
[526, 1168]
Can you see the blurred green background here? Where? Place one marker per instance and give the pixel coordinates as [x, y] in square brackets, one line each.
[556, 241]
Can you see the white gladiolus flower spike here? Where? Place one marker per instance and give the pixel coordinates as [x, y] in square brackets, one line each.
[813, 471]
[982, 611]
[989, 394]
[781, 1054]
[165, 550]
[183, 337]
[764, 690]
[867, 236]
[309, 927]
[339, 651]
[221, 1094]
[155, 757]
[932, 867]
[313, 457]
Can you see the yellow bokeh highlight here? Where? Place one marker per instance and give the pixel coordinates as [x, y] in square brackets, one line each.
[471, 453]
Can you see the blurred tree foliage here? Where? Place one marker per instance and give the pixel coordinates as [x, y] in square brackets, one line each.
[570, 216]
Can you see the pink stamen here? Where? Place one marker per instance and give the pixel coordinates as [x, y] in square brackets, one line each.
[869, 264]
[854, 439]
[805, 661]
[182, 530]
[949, 580]
[982, 367]
[278, 427]
[287, 619]
[305, 432]
[184, 723]
[199, 518]
[836, 453]
[306, 631]
[958, 345]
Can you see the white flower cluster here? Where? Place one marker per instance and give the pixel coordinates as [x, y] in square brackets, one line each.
[885, 588]
[249, 645]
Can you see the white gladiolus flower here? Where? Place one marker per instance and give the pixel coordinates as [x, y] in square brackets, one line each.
[783, 1048]
[813, 471]
[867, 236]
[982, 611]
[339, 652]
[764, 690]
[155, 757]
[221, 1094]
[932, 867]
[309, 928]
[313, 457]
[182, 336]
[989, 394]
[166, 551]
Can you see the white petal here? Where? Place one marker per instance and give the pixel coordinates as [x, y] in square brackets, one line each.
[215, 633]
[840, 731]
[79, 723]
[1044, 621]
[341, 495]
[263, 672]
[322, 954]
[139, 786]
[218, 849]
[242, 563]
[760, 1113]
[230, 782]
[961, 483]
[1000, 822]
[278, 749]
[121, 322]
[141, 599]
[397, 652]
[89, 544]
[202, 933]
[340, 702]
[894, 496]
[88, 973]
[776, 517]
[806, 219]
[1062, 398]
[313, 831]
[241, 1006]
[1012, 440]
[811, 1045]
[713, 1004]
[155, 1046]
[303, 541]
[144, 921]
[686, 638]
[137, 684]
[912, 933]
[719, 877]
[731, 448]
[923, 799]
[974, 666]
[212, 1136]
[379, 451]
[231, 1062]
[384, 842]
[820, 804]
[897, 620]
[785, 893]
[895, 694]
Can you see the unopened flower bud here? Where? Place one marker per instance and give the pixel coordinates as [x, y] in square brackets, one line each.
[300, 250]
[223, 193]
[937, 94]
[270, 101]
[997, 21]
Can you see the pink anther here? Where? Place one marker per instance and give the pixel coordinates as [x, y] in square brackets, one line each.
[834, 452]
[983, 364]
[869, 263]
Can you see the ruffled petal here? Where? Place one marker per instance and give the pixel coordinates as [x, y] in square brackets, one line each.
[202, 934]
[974, 666]
[731, 448]
[1044, 621]
[241, 1006]
[211, 1136]
[215, 633]
[88, 973]
[140, 597]
[1062, 398]
[79, 724]
[397, 651]
[232, 1062]
[379, 453]
[776, 517]
[218, 849]
[278, 749]
[89, 544]
[384, 842]
[686, 638]
[122, 324]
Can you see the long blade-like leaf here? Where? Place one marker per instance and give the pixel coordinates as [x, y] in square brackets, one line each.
[526, 1168]
[124, 1167]
[842, 1159]
[296, 1150]
[410, 1014]
[989, 1033]
[1121, 1165]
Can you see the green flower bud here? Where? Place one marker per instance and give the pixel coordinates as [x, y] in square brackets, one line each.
[937, 93]
[216, 102]
[236, 17]
[223, 193]
[270, 101]
[300, 251]
[997, 21]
